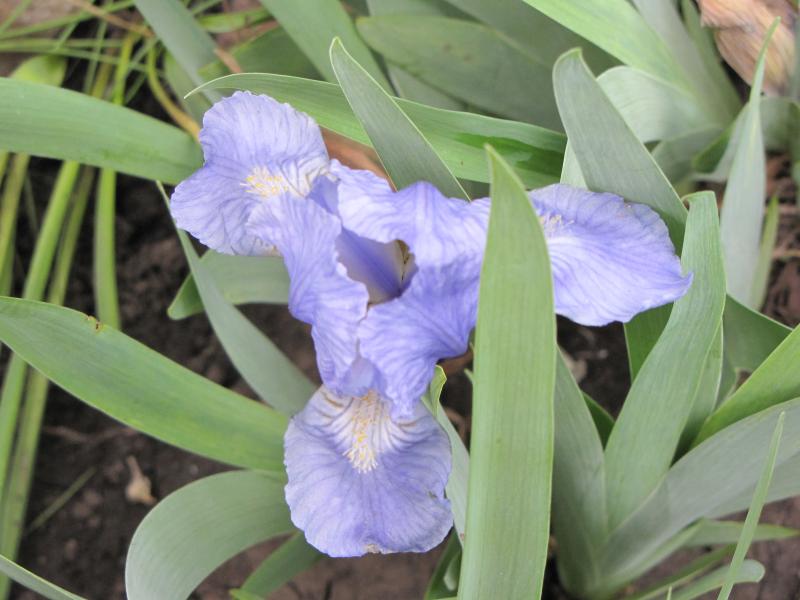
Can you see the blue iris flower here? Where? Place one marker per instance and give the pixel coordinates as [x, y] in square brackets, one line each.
[388, 280]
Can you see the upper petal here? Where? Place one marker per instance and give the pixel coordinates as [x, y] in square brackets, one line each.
[611, 260]
[360, 482]
[320, 291]
[437, 229]
[255, 149]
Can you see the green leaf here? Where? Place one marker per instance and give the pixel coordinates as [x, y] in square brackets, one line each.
[684, 575]
[713, 92]
[177, 29]
[34, 582]
[603, 421]
[653, 108]
[314, 31]
[57, 123]
[274, 51]
[517, 21]
[715, 478]
[776, 380]
[767, 246]
[197, 528]
[263, 366]
[710, 533]
[508, 510]
[405, 153]
[742, 212]
[705, 399]
[753, 513]
[133, 384]
[457, 137]
[228, 22]
[448, 53]
[661, 398]
[579, 498]
[181, 84]
[293, 557]
[616, 27]
[750, 337]
[459, 472]
[241, 279]
[444, 581]
[751, 572]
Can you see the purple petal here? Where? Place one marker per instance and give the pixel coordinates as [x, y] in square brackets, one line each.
[320, 291]
[255, 149]
[434, 315]
[360, 482]
[611, 260]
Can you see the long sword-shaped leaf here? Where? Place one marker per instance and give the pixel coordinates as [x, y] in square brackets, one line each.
[447, 53]
[647, 431]
[753, 513]
[263, 366]
[135, 385]
[293, 557]
[241, 279]
[200, 526]
[776, 380]
[458, 138]
[314, 29]
[508, 507]
[57, 123]
[742, 211]
[177, 29]
[717, 477]
[405, 153]
[34, 582]
[616, 27]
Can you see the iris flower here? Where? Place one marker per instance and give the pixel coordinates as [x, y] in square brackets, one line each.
[388, 281]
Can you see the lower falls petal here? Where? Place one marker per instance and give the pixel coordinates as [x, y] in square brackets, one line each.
[361, 482]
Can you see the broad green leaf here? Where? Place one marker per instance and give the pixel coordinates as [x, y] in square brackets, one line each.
[766, 247]
[273, 51]
[293, 557]
[34, 582]
[750, 337]
[616, 27]
[715, 94]
[659, 403]
[263, 366]
[227, 22]
[314, 31]
[133, 384]
[405, 153]
[407, 85]
[457, 137]
[653, 108]
[776, 380]
[579, 498]
[674, 155]
[177, 29]
[715, 478]
[508, 506]
[459, 472]
[705, 399]
[710, 533]
[57, 123]
[751, 572]
[448, 53]
[200, 526]
[593, 124]
[742, 212]
[241, 279]
[516, 20]
[753, 513]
